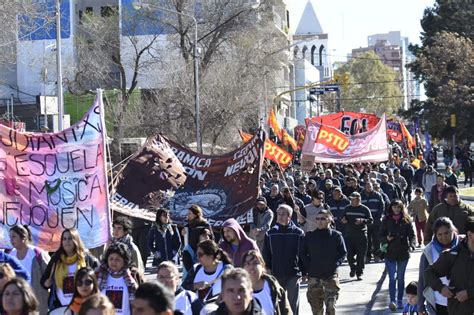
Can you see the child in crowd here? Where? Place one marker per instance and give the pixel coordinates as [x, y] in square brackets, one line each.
[418, 210]
[411, 307]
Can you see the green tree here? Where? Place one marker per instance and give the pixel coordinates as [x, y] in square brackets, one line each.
[445, 64]
[371, 86]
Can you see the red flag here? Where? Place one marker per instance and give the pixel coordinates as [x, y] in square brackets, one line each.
[332, 138]
[272, 151]
[273, 123]
[289, 140]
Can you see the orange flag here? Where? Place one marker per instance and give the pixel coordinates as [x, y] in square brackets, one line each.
[407, 135]
[289, 140]
[332, 138]
[272, 151]
[273, 123]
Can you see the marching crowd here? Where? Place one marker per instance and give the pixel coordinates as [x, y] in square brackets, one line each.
[304, 226]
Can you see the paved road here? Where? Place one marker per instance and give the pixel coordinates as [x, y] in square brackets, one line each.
[369, 296]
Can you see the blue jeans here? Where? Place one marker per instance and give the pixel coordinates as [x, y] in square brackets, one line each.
[396, 267]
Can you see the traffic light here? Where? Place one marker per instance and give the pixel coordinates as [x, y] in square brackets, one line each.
[452, 120]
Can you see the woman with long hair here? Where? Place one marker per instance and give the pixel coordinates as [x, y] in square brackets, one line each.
[117, 278]
[164, 240]
[193, 230]
[397, 232]
[266, 289]
[18, 298]
[85, 285]
[34, 259]
[6, 274]
[205, 277]
[445, 237]
[61, 270]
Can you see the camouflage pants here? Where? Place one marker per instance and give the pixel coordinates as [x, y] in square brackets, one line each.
[323, 292]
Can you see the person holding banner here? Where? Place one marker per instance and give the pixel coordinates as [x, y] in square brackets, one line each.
[59, 274]
[34, 259]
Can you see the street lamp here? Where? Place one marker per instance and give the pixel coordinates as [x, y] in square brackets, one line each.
[139, 5]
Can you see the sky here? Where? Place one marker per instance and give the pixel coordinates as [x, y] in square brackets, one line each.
[349, 22]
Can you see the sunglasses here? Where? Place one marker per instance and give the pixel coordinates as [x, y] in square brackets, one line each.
[86, 282]
[321, 219]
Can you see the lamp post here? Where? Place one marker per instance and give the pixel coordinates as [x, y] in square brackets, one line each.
[59, 67]
[197, 103]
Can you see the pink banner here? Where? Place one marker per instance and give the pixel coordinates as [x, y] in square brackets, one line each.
[54, 181]
[370, 146]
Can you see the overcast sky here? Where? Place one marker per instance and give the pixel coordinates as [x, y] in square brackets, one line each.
[349, 22]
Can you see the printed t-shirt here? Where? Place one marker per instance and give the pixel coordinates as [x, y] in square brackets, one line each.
[264, 296]
[117, 292]
[65, 295]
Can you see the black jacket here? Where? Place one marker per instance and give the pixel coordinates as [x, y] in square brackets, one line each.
[281, 250]
[322, 252]
[167, 245]
[389, 189]
[374, 201]
[352, 213]
[458, 265]
[254, 309]
[337, 209]
[404, 238]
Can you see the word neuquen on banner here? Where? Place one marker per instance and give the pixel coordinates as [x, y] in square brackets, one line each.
[332, 138]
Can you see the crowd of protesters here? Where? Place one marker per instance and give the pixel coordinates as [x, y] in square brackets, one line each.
[305, 225]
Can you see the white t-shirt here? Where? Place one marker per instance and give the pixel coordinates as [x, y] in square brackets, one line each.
[183, 301]
[27, 261]
[65, 295]
[117, 292]
[264, 296]
[201, 275]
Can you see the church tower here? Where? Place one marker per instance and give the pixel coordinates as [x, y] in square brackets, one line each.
[311, 59]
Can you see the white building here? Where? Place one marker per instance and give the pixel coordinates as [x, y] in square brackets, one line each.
[311, 59]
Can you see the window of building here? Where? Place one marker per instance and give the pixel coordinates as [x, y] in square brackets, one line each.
[305, 49]
[107, 11]
[89, 10]
[313, 51]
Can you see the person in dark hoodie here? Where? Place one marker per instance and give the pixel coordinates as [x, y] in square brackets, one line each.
[322, 252]
[235, 242]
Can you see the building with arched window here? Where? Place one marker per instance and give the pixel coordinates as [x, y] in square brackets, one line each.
[311, 60]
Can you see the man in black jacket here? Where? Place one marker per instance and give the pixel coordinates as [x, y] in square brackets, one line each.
[281, 251]
[322, 252]
[356, 217]
[337, 203]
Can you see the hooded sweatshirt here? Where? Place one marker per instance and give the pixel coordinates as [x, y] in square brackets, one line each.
[245, 243]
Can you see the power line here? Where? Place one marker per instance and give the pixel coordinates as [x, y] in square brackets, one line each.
[364, 98]
[354, 83]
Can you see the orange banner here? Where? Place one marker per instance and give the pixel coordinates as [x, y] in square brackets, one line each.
[332, 138]
[272, 151]
[273, 123]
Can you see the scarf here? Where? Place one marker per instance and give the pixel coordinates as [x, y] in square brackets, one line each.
[75, 306]
[61, 270]
[126, 239]
[441, 248]
[162, 228]
[397, 217]
[105, 271]
[440, 192]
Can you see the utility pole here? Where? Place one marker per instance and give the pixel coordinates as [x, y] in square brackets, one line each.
[59, 66]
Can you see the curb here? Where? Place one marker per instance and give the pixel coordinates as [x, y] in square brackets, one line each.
[470, 198]
[370, 305]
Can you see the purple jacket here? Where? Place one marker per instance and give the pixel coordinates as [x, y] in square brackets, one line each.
[245, 243]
